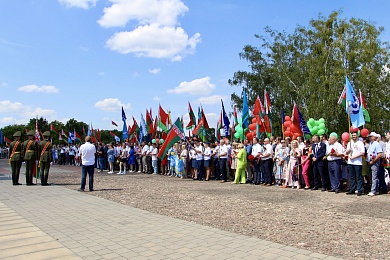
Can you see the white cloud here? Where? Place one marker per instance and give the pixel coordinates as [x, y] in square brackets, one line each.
[111, 105]
[84, 4]
[22, 113]
[143, 11]
[156, 98]
[201, 86]
[211, 100]
[35, 88]
[155, 71]
[155, 41]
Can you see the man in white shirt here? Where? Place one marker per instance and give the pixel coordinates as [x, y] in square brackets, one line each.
[87, 153]
[266, 159]
[355, 151]
[145, 151]
[335, 152]
[199, 159]
[215, 161]
[257, 151]
[222, 158]
[374, 156]
[153, 153]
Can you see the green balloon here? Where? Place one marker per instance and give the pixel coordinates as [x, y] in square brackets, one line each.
[240, 121]
[240, 130]
[153, 141]
[311, 121]
[321, 120]
[316, 123]
[307, 136]
[237, 135]
[315, 129]
[359, 133]
[321, 132]
[321, 126]
[161, 141]
[237, 127]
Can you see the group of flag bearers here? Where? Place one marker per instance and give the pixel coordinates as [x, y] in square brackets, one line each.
[36, 155]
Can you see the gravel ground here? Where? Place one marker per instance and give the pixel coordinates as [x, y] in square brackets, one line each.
[350, 227]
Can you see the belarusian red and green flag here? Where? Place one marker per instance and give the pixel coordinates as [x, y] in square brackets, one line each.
[175, 134]
[192, 117]
[149, 122]
[163, 121]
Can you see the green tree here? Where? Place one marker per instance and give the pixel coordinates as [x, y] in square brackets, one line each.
[8, 131]
[309, 67]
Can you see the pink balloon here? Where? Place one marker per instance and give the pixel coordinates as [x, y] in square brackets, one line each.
[345, 136]
[364, 132]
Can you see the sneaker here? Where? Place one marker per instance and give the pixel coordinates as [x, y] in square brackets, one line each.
[99, 171]
[110, 172]
[124, 172]
[119, 173]
[139, 171]
[131, 171]
[371, 194]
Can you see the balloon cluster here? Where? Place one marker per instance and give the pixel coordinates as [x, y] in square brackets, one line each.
[157, 141]
[239, 131]
[291, 129]
[317, 127]
[252, 127]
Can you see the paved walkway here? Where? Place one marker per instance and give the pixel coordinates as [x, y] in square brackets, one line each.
[57, 223]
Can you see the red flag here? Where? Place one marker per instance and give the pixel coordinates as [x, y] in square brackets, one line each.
[149, 122]
[164, 119]
[192, 117]
[7, 140]
[204, 120]
[155, 128]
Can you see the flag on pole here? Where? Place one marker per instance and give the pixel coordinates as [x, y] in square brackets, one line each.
[163, 121]
[245, 112]
[117, 139]
[219, 126]
[235, 115]
[204, 120]
[268, 116]
[149, 122]
[367, 117]
[89, 130]
[115, 124]
[77, 137]
[353, 106]
[192, 117]
[37, 136]
[1, 137]
[174, 135]
[125, 134]
[143, 131]
[226, 122]
[7, 140]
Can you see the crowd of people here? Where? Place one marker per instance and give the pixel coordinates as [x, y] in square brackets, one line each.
[320, 163]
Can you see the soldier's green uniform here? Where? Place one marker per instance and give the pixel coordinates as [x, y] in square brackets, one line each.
[30, 150]
[45, 158]
[16, 158]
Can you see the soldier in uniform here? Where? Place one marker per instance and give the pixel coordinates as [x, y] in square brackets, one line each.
[46, 158]
[16, 158]
[30, 150]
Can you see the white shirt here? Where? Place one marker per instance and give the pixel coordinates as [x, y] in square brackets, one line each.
[215, 152]
[199, 156]
[154, 153]
[145, 149]
[207, 153]
[192, 154]
[387, 150]
[301, 146]
[356, 148]
[87, 152]
[257, 150]
[268, 152]
[338, 149]
[223, 150]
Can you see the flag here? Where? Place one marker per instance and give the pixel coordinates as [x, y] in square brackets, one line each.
[283, 122]
[135, 127]
[353, 107]
[342, 98]
[143, 131]
[219, 126]
[225, 119]
[268, 115]
[149, 123]
[70, 137]
[367, 117]
[295, 121]
[77, 137]
[232, 132]
[199, 114]
[1, 137]
[37, 136]
[174, 135]
[98, 135]
[115, 124]
[235, 115]
[204, 120]
[245, 112]
[52, 128]
[154, 132]
[64, 133]
[163, 121]
[302, 123]
[7, 140]
[89, 130]
[124, 130]
[191, 116]
[83, 131]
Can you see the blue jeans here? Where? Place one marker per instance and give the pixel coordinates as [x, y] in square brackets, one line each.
[101, 163]
[199, 168]
[355, 172]
[87, 169]
[154, 165]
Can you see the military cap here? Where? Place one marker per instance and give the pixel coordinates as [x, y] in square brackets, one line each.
[47, 133]
[17, 134]
[31, 132]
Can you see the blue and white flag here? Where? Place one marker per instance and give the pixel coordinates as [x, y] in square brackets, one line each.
[1, 137]
[225, 119]
[125, 134]
[353, 106]
[143, 131]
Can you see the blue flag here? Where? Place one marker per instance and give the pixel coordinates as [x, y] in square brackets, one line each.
[1, 137]
[245, 112]
[226, 122]
[71, 137]
[353, 106]
[303, 124]
[143, 131]
[89, 130]
[125, 134]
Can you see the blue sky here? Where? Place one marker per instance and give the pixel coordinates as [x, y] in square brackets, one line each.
[85, 59]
